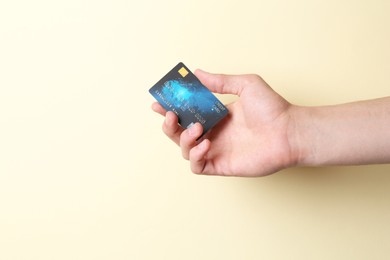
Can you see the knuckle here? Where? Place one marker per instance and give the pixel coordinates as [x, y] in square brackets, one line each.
[168, 130]
[185, 138]
[253, 78]
[196, 171]
[165, 129]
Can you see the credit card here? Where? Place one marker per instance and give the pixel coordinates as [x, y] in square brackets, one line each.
[181, 91]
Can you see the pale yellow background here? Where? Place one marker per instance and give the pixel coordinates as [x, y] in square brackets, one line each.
[86, 173]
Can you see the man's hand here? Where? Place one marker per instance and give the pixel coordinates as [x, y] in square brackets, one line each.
[263, 133]
[253, 140]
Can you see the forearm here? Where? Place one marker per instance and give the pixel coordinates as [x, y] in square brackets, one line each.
[347, 134]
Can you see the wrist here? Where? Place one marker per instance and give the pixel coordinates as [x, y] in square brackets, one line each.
[300, 143]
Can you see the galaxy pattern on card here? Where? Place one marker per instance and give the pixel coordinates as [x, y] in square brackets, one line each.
[181, 92]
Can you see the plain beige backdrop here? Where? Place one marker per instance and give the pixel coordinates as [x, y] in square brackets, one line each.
[86, 173]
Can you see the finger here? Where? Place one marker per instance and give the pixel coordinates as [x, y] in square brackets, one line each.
[171, 127]
[188, 139]
[156, 107]
[220, 83]
[197, 157]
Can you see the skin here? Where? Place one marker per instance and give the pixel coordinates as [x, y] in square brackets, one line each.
[264, 133]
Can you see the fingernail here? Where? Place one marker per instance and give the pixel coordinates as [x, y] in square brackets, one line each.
[166, 121]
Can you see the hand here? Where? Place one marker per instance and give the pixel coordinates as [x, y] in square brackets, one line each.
[253, 140]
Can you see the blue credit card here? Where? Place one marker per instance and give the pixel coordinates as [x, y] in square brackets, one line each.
[181, 91]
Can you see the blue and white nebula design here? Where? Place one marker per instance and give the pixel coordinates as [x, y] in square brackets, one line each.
[189, 99]
[189, 95]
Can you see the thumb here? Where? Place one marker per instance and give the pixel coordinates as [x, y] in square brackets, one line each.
[221, 83]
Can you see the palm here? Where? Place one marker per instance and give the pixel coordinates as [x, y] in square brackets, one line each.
[252, 140]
